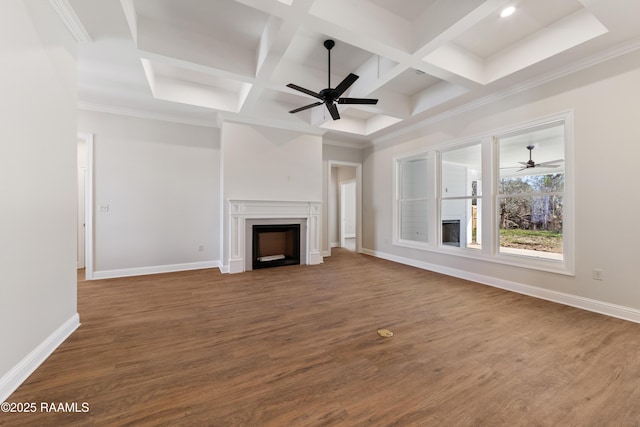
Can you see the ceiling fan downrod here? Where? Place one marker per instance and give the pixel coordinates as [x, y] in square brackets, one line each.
[329, 44]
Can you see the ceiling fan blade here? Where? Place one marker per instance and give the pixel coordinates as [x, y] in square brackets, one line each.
[548, 164]
[333, 110]
[306, 107]
[368, 101]
[307, 91]
[345, 84]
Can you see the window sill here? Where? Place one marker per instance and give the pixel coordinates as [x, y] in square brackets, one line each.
[552, 263]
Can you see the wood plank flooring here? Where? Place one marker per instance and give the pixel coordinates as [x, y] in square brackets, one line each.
[297, 346]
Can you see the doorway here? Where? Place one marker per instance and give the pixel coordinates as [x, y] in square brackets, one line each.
[85, 203]
[348, 215]
[344, 204]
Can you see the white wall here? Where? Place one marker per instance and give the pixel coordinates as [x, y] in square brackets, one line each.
[348, 191]
[605, 101]
[38, 190]
[156, 194]
[262, 163]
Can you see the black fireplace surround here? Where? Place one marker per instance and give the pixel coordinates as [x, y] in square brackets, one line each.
[275, 245]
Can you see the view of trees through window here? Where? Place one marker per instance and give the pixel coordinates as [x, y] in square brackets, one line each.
[530, 192]
[533, 219]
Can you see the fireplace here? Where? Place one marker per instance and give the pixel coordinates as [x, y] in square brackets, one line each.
[451, 232]
[275, 245]
[244, 215]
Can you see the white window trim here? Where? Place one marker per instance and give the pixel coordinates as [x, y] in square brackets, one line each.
[490, 166]
[397, 160]
[451, 147]
[567, 264]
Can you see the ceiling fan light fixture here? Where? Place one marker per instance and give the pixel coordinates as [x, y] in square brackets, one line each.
[507, 11]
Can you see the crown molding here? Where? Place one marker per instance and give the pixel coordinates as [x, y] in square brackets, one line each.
[346, 144]
[71, 20]
[141, 114]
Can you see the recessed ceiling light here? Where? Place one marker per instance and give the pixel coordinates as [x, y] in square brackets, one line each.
[507, 11]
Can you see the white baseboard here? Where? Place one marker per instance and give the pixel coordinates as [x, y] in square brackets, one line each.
[315, 258]
[16, 376]
[350, 235]
[326, 253]
[335, 245]
[156, 269]
[601, 307]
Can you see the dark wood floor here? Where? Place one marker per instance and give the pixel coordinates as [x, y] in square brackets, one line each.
[297, 346]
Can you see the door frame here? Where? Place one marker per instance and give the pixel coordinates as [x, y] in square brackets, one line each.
[330, 203]
[87, 138]
[81, 240]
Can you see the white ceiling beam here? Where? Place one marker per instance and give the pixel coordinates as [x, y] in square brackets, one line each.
[435, 95]
[459, 61]
[280, 31]
[68, 16]
[131, 16]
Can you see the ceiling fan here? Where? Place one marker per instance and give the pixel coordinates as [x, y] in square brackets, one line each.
[532, 164]
[330, 96]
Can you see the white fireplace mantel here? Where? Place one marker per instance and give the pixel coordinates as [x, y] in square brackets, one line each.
[239, 211]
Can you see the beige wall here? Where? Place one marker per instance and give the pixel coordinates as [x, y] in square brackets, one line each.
[156, 194]
[38, 190]
[605, 101]
[261, 163]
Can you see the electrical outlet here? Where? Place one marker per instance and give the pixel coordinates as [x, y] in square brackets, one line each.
[598, 274]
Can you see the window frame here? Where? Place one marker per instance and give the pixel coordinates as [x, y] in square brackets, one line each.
[441, 198]
[567, 264]
[490, 251]
[397, 199]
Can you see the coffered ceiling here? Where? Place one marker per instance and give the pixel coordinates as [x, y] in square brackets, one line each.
[200, 61]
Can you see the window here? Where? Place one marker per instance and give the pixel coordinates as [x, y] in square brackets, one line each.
[531, 192]
[412, 199]
[504, 197]
[460, 197]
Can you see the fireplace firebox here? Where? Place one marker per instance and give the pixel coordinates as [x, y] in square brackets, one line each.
[276, 245]
[451, 232]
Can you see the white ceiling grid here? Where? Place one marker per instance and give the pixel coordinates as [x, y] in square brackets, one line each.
[203, 59]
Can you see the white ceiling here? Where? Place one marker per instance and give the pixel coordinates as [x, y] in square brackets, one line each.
[199, 61]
